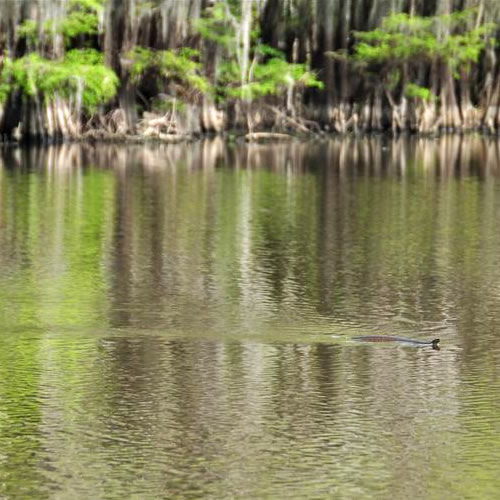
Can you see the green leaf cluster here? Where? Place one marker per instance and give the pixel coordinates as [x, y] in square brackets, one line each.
[82, 69]
[403, 43]
[82, 18]
[416, 91]
[180, 65]
[28, 30]
[217, 27]
[5, 79]
[268, 72]
[405, 39]
[271, 77]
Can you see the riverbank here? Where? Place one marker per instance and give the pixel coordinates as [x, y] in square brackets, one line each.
[156, 129]
[96, 137]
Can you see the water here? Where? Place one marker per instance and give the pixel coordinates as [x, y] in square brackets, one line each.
[176, 321]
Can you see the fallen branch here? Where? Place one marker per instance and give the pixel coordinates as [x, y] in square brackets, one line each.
[262, 136]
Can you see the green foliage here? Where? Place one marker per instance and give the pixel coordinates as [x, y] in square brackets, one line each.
[268, 78]
[28, 29]
[392, 78]
[79, 23]
[162, 105]
[34, 74]
[462, 49]
[266, 50]
[178, 65]
[142, 60]
[5, 78]
[82, 18]
[401, 22]
[267, 74]
[144, 7]
[416, 91]
[217, 27]
[406, 39]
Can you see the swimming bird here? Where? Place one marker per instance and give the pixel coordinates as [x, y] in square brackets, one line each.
[388, 338]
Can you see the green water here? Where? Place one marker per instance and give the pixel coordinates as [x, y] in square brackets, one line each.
[176, 321]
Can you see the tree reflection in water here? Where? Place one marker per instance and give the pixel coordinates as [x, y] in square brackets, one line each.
[175, 319]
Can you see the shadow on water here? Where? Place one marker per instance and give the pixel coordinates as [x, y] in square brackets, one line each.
[177, 320]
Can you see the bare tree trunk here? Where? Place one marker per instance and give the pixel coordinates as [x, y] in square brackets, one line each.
[450, 112]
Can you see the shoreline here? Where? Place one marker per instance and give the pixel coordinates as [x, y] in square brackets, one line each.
[262, 137]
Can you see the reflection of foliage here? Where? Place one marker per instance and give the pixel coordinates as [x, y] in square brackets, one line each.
[21, 414]
[363, 247]
[70, 297]
[73, 296]
[83, 69]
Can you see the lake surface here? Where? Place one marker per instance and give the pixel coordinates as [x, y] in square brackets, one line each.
[176, 321]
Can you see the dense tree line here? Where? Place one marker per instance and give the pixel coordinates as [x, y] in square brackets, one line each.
[165, 68]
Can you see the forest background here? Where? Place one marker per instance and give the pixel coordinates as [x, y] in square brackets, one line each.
[171, 69]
